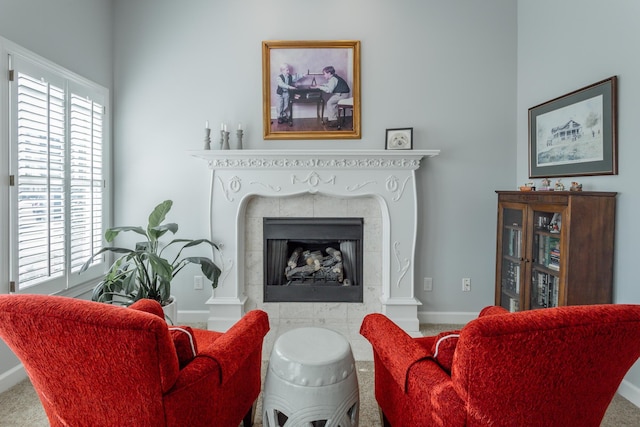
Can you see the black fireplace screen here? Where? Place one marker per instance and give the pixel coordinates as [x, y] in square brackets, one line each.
[313, 259]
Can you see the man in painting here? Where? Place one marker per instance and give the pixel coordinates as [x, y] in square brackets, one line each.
[339, 89]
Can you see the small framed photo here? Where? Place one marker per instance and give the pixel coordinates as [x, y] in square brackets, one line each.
[399, 139]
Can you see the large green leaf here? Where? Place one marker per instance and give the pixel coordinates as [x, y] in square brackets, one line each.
[189, 243]
[156, 232]
[129, 283]
[162, 273]
[111, 233]
[208, 267]
[164, 290]
[160, 266]
[159, 213]
[101, 251]
[194, 242]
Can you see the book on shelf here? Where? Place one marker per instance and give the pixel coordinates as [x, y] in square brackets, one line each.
[554, 253]
[546, 290]
[511, 277]
[515, 239]
[542, 289]
[549, 251]
[542, 245]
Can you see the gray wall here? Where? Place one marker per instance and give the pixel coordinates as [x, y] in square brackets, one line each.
[447, 69]
[566, 45]
[73, 33]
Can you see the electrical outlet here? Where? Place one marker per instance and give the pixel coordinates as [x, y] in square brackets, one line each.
[198, 283]
[466, 284]
[428, 284]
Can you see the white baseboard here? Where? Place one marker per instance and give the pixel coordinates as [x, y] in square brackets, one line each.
[12, 377]
[630, 392]
[192, 316]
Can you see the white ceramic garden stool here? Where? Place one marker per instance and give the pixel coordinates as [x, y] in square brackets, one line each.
[311, 381]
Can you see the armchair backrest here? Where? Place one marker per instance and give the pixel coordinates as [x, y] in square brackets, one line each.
[90, 361]
[551, 367]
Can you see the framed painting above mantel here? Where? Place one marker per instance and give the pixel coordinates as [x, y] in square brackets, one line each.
[311, 89]
[575, 134]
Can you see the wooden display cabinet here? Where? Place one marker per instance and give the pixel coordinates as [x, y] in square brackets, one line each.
[554, 248]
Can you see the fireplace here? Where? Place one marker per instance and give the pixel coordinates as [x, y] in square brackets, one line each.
[312, 259]
[386, 176]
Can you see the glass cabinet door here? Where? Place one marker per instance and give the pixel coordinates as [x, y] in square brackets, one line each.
[512, 258]
[545, 279]
[535, 232]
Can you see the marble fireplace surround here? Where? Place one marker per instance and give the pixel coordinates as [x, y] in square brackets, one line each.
[388, 176]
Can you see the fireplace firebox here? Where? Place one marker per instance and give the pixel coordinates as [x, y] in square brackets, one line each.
[313, 259]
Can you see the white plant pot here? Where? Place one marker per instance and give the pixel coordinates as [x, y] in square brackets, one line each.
[171, 311]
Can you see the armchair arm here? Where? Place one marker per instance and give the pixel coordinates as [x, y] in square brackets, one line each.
[492, 310]
[191, 376]
[396, 350]
[233, 347]
[148, 306]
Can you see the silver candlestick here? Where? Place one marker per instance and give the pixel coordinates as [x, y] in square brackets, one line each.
[225, 142]
[222, 139]
[239, 135]
[207, 139]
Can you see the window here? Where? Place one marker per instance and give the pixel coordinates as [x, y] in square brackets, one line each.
[58, 154]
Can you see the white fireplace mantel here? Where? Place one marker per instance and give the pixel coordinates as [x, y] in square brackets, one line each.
[386, 175]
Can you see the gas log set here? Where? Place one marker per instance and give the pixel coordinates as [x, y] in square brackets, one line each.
[314, 265]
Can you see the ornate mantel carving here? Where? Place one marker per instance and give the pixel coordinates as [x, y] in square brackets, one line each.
[387, 175]
[314, 159]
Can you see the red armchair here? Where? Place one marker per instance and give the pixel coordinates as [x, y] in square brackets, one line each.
[95, 364]
[552, 367]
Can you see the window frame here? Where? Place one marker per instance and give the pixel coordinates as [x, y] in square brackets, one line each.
[14, 56]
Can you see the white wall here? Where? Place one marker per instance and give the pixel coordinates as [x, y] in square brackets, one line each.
[566, 45]
[75, 34]
[447, 69]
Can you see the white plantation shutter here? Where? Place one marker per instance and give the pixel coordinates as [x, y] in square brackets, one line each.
[57, 142]
[85, 179]
[39, 179]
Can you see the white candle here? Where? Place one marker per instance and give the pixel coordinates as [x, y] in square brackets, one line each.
[206, 124]
[239, 126]
[225, 128]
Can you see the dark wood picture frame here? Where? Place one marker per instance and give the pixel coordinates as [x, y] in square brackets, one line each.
[575, 134]
[306, 61]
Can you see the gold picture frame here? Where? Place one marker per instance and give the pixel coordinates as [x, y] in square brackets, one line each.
[304, 110]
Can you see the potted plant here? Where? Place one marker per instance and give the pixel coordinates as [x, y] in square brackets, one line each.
[144, 272]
